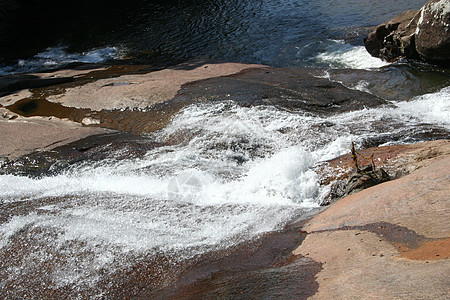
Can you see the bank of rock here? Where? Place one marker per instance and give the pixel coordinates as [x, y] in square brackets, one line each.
[390, 241]
[416, 34]
[388, 163]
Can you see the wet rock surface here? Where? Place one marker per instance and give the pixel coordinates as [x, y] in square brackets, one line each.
[143, 101]
[293, 89]
[91, 149]
[389, 82]
[261, 269]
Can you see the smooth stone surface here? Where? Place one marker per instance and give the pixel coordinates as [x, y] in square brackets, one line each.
[418, 201]
[390, 241]
[361, 265]
[21, 136]
[292, 89]
[143, 89]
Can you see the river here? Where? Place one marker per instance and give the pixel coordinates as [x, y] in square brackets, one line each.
[234, 173]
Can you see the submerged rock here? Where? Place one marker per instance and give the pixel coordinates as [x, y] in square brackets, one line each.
[415, 34]
[12, 83]
[293, 89]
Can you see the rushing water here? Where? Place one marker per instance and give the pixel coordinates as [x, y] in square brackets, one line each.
[234, 172]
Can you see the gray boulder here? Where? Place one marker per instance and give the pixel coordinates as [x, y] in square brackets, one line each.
[433, 32]
[395, 38]
[415, 34]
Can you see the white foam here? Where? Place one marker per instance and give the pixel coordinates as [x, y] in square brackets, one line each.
[259, 153]
[419, 22]
[362, 86]
[79, 183]
[433, 108]
[55, 57]
[285, 178]
[199, 194]
[15, 224]
[341, 55]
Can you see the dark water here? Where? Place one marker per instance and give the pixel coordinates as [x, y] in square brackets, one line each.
[274, 32]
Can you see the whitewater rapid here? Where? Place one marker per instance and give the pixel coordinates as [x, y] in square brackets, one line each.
[237, 172]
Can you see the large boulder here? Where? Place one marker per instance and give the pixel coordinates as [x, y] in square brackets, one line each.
[433, 32]
[415, 34]
[394, 38]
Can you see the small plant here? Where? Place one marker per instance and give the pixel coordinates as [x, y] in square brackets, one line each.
[355, 157]
[378, 176]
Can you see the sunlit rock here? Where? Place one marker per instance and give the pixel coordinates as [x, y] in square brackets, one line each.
[422, 34]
